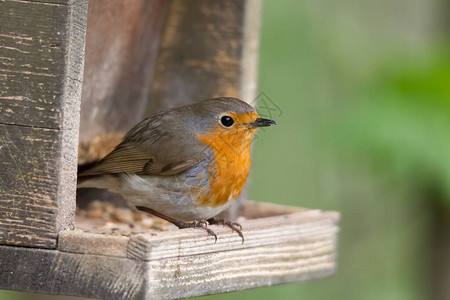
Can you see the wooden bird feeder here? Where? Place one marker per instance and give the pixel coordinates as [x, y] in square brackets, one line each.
[121, 60]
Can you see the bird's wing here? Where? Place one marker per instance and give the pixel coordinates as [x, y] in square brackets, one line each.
[155, 146]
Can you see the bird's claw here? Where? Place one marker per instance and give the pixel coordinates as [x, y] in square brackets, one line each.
[201, 224]
[235, 226]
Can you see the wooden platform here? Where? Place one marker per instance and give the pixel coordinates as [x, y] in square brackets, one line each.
[282, 244]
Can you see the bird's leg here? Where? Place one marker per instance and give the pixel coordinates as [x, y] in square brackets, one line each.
[180, 224]
[233, 225]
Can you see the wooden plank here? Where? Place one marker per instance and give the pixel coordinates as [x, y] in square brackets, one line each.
[301, 225]
[179, 263]
[41, 67]
[250, 50]
[200, 53]
[28, 186]
[96, 276]
[227, 271]
[122, 43]
[309, 227]
[63, 2]
[55, 272]
[34, 45]
[50, 2]
[253, 210]
[93, 243]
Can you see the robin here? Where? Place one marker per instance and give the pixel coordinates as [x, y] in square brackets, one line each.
[185, 164]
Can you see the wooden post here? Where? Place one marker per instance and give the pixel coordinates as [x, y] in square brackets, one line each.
[41, 68]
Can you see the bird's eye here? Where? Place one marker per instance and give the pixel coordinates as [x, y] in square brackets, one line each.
[227, 121]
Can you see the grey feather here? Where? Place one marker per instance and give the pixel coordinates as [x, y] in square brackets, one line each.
[165, 144]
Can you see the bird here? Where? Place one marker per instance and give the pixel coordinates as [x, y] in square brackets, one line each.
[184, 164]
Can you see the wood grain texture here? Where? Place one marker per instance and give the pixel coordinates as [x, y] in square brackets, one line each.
[63, 2]
[181, 263]
[35, 40]
[257, 216]
[227, 271]
[295, 225]
[41, 67]
[28, 189]
[122, 43]
[93, 243]
[250, 50]
[311, 226]
[55, 272]
[200, 53]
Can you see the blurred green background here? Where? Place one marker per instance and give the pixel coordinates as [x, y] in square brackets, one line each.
[363, 89]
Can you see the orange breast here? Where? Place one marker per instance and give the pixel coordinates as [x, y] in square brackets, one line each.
[231, 148]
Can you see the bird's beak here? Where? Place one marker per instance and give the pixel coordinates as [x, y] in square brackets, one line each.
[261, 123]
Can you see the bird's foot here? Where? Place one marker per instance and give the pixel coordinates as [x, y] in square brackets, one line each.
[194, 224]
[197, 224]
[235, 226]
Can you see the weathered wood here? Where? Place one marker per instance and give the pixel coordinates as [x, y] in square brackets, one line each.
[228, 271]
[200, 53]
[122, 42]
[41, 67]
[56, 272]
[250, 50]
[254, 210]
[179, 263]
[310, 224]
[28, 189]
[93, 243]
[35, 40]
[311, 230]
